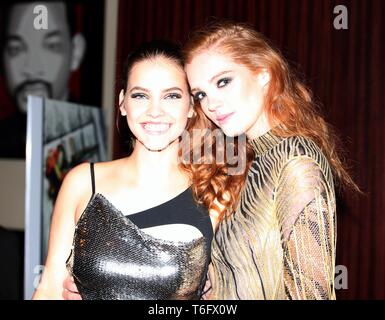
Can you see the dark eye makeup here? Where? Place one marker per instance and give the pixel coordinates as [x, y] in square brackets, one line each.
[138, 96]
[223, 82]
[198, 96]
[173, 96]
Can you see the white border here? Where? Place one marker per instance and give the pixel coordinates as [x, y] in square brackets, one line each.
[33, 193]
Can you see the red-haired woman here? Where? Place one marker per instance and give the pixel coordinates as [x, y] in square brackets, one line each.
[276, 235]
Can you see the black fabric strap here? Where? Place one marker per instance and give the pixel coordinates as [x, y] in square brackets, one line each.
[92, 177]
[182, 209]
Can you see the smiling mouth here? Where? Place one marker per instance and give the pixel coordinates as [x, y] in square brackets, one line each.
[223, 118]
[156, 128]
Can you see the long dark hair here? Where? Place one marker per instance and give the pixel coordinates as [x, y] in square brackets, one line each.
[147, 51]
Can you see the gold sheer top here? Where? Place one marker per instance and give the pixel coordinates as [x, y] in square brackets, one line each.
[280, 242]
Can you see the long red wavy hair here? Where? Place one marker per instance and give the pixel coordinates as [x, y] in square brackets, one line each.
[288, 102]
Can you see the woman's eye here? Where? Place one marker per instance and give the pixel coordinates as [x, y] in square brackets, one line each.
[138, 96]
[199, 96]
[223, 82]
[173, 96]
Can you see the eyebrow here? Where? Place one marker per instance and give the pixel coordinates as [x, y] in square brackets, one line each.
[219, 74]
[20, 38]
[13, 37]
[139, 89]
[172, 89]
[53, 34]
[146, 90]
[212, 79]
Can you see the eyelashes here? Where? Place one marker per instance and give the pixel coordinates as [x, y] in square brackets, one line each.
[221, 83]
[199, 96]
[174, 96]
[138, 96]
[142, 96]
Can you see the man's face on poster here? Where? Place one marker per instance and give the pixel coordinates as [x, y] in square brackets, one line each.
[37, 62]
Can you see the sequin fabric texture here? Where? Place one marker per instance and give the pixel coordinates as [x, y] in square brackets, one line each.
[280, 242]
[112, 259]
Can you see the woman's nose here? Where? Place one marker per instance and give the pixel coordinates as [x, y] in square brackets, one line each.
[213, 104]
[155, 109]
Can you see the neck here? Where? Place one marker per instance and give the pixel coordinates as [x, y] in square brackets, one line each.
[259, 128]
[157, 168]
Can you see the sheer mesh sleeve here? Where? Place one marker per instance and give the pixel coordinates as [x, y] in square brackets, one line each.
[306, 214]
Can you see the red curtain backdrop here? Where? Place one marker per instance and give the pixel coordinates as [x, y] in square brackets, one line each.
[345, 69]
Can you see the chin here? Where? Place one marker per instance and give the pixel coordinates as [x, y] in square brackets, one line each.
[155, 146]
[231, 131]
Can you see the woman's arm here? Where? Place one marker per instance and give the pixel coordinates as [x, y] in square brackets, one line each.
[306, 211]
[62, 229]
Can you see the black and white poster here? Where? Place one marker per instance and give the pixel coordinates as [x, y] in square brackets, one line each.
[49, 49]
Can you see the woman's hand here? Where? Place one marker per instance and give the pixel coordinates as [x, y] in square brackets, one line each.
[208, 289]
[70, 291]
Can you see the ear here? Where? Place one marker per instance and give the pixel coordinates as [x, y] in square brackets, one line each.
[263, 77]
[191, 110]
[78, 50]
[123, 111]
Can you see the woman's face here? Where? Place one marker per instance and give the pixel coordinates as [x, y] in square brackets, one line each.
[230, 94]
[157, 102]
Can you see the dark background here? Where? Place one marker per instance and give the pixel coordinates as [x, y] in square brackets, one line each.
[345, 69]
[85, 87]
[85, 84]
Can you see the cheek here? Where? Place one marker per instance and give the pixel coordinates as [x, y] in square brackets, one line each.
[178, 110]
[133, 114]
[250, 100]
[132, 117]
[12, 70]
[182, 115]
[235, 98]
[133, 126]
[57, 67]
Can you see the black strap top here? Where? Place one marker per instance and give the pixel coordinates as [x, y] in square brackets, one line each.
[112, 258]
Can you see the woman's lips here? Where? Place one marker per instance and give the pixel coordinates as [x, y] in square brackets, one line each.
[223, 118]
[156, 128]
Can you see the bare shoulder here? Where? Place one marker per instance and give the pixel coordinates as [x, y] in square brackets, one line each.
[79, 177]
[77, 181]
[107, 167]
[75, 185]
[109, 171]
